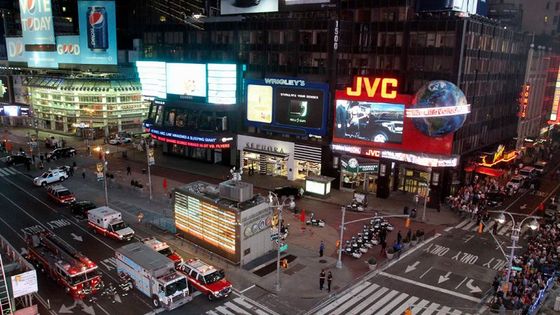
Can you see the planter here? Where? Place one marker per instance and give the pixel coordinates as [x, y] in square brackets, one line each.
[372, 267]
[390, 254]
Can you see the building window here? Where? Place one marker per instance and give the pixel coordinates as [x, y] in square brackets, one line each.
[555, 20]
[545, 19]
[557, 6]
[548, 5]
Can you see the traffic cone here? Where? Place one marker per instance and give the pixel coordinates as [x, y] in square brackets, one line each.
[408, 311]
[480, 228]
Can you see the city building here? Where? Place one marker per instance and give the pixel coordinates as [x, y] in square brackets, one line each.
[320, 44]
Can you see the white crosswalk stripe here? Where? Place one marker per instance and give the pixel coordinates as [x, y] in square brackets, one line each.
[371, 298]
[501, 229]
[7, 171]
[238, 306]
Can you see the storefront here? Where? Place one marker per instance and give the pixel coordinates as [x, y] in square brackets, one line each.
[494, 164]
[358, 173]
[278, 158]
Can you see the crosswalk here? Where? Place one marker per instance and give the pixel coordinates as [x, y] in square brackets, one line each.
[7, 171]
[501, 229]
[370, 298]
[241, 306]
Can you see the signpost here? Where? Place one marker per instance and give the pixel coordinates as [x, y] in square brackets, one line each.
[283, 247]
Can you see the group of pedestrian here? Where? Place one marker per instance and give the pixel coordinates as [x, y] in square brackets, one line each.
[471, 199]
[329, 278]
[536, 266]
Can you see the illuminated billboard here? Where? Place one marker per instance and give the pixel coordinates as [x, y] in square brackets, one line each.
[369, 121]
[373, 117]
[259, 103]
[186, 79]
[98, 32]
[247, 6]
[299, 107]
[222, 83]
[153, 78]
[36, 22]
[4, 89]
[295, 106]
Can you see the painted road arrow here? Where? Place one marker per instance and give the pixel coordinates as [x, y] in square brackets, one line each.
[77, 237]
[88, 309]
[523, 206]
[67, 309]
[411, 267]
[444, 278]
[473, 288]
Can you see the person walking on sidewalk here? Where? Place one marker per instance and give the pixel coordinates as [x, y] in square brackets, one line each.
[128, 170]
[84, 173]
[383, 247]
[321, 249]
[329, 281]
[399, 237]
[321, 279]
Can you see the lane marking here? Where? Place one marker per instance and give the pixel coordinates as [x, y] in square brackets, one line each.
[448, 229]
[431, 287]
[247, 289]
[223, 310]
[356, 310]
[343, 298]
[419, 306]
[236, 309]
[425, 272]
[458, 226]
[392, 305]
[355, 299]
[371, 310]
[457, 287]
[431, 309]
[409, 303]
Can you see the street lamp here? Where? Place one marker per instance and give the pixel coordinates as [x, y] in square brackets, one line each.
[273, 201]
[515, 232]
[427, 194]
[105, 167]
[342, 224]
[90, 112]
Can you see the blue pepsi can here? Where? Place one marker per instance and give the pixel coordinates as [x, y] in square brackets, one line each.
[97, 29]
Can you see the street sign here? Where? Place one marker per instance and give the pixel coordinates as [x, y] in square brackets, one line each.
[516, 268]
[100, 168]
[151, 160]
[273, 236]
[283, 247]
[99, 176]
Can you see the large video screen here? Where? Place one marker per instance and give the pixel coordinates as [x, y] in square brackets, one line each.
[153, 78]
[299, 107]
[247, 6]
[259, 103]
[186, 79]
[369, 121]
[305, 2]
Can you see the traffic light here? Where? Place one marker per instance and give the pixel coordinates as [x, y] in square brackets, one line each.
[337, 244]
[408, 311]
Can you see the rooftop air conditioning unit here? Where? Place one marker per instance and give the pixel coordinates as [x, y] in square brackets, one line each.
[236, 190]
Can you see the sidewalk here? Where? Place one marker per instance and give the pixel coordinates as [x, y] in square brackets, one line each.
[300, 281]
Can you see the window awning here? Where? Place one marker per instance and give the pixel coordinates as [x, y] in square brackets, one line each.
[489, 171]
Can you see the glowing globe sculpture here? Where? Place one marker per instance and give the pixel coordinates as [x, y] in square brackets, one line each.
[439, 108]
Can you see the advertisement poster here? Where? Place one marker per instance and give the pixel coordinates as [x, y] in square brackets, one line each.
[222, 83]
[247, 6]
[4, 89]
[24, 283]
[259, 103]
[187, 79]
[299, 107]
[369, 121]
[98, 35]
[36, 22]
[153, 78]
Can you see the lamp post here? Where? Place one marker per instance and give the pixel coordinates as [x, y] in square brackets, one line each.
[105, 167]
[515, 232]
[427, 194]
[275, 202]
[342, 224]
[90, 136]
[151, 161]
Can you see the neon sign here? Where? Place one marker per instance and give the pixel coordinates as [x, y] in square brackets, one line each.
[499, 156]
[438, 111]
[524, 100]
[387, 87]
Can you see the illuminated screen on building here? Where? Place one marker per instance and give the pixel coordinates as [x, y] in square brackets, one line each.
[369, 121]
[186, 79]
[247, 6]
[299, 107]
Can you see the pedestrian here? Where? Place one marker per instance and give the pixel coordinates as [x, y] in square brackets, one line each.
[321, 249]
[399, 237]
[33, 158]
[41, 157]
[329, 281]
[71, 171]
[409, 234]
[383, 247]
[405, 210]
[84, 174]
[322, 279]
[128, 170]
[88, 150]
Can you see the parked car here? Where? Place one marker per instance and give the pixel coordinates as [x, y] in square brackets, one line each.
[80, 208]
[64, 168]
[495, 199]
[61, 153]
[515, 182]
[288, 191]
[206, 279]
[528, 172]
[540, 166]
[60, 194]
[120, 140]
[50, 177]
[16, 160]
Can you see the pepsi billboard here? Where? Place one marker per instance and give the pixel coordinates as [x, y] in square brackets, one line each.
[98, 32]
[36, 22]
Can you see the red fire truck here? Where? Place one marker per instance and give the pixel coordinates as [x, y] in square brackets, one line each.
[66, 265]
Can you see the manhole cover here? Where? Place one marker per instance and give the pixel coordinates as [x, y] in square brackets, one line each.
[322, 261]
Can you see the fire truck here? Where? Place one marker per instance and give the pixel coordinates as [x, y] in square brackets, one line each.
[70, 268]
[164, 249]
